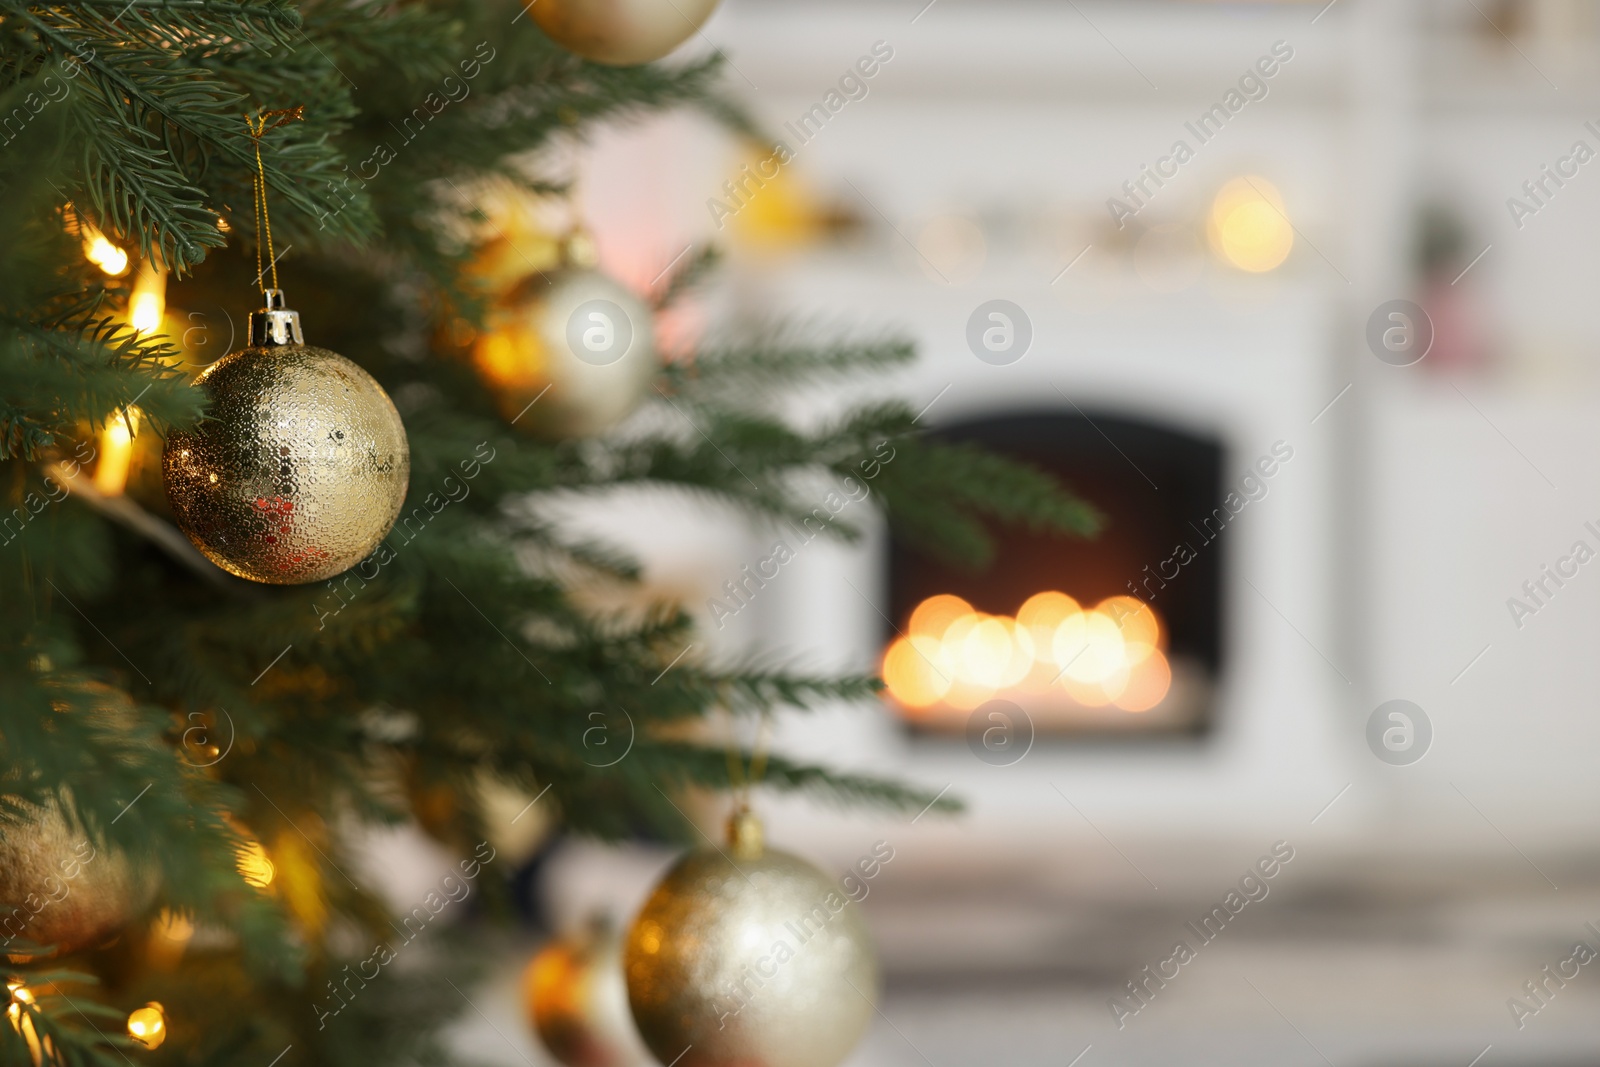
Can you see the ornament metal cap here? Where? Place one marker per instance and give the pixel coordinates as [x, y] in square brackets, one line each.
[746, 836]
[275, 324]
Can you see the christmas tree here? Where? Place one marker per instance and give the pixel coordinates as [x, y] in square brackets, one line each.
[183, 753]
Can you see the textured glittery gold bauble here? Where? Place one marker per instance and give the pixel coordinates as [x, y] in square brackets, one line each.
[299, 472]
[568, 356]
[577, 1000]
[621, 32]
[752, 957]
[57, 888]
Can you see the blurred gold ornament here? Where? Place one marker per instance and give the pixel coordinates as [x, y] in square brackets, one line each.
[148, 1025]
[622, 33]
[578, 1001]
[56, 888]
[569, 354]
[773, 210]
[514, 238]
[513, 824]
[749, 956]
[302, 468]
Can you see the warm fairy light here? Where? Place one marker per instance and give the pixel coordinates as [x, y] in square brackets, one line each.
[1249, 226]
[170, 934]
[144, 312]
[116, 452]
[148, 304]
[1042, 614]
[147, 308]
[953, 655]
[102, 253]
[105, 255]
[1090, 650]
[20, 1014]
[1140, 629]
[254, 865]
[174, 926]
[1147, 685]
[148, 1025]
[911, 671]
[995, 653]
[934, 615]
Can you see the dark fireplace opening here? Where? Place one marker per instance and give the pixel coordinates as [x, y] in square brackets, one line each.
[1116, 635]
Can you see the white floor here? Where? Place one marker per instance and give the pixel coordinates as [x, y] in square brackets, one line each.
[1361, 961]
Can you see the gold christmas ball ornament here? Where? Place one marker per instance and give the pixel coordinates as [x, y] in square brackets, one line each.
[570, 354]
[622, 33]
[58, 888]
[577, 1000]
[749, 955]
[301, 468]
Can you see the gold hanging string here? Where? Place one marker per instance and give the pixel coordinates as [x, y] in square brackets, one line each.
[758, 755]
[267, 120]
[744, 780]
[731, 751]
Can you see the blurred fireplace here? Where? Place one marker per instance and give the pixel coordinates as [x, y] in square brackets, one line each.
[1119, 635]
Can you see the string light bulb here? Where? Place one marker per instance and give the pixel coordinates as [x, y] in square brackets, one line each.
[148, 1025]
[116, 452]
[20, 1014]
[102, 253]
[254, 865]
[147, 307]
[170, 934]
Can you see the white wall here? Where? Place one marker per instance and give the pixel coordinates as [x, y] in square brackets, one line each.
[1388, 545]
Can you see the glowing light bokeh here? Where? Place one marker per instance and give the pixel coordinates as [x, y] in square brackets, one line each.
[147, 307]
[1248, 225]
[20, 1012]
[254, 865]
[957, 657]
[102, 253]
[148, 1025]
[116, 452]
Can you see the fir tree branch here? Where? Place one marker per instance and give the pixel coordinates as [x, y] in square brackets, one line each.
[691, 273]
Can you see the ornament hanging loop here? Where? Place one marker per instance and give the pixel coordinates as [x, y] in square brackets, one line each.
[258, 125]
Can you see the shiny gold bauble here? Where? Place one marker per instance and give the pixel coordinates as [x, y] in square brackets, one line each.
[569, 354]
[57, 888]
[750, 956]
[622, 33]
[300, 470]
[577, 1000]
